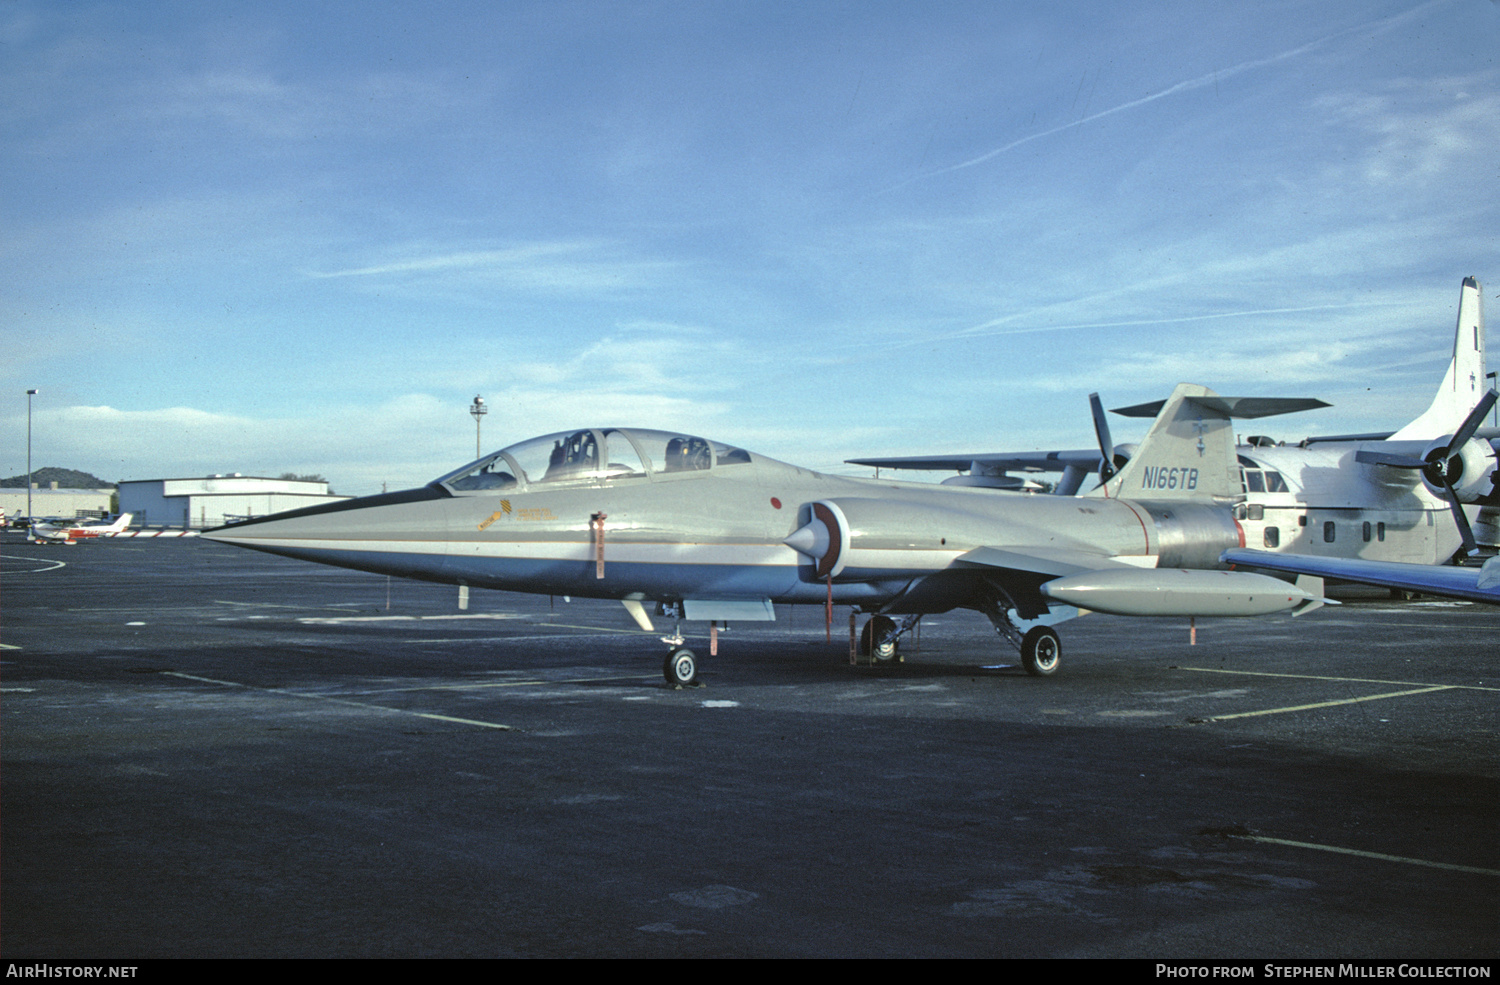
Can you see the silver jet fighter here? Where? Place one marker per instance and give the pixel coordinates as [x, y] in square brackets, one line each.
[704, 530]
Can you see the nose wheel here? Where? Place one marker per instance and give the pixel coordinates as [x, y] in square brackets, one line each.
[681, 667]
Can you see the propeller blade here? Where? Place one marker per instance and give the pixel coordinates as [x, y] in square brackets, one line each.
[1471, 424]
[1471, 547]
[1439, 469]
[1106, 446]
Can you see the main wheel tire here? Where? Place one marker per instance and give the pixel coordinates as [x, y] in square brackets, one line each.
[876, 629]
[681, 668]
[1041, 651]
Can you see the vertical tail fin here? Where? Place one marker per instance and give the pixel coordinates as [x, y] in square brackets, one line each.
[1464, 382]
[1187, 455]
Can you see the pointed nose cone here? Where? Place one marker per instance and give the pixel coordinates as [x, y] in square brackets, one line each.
[811, 540]
[402, 533]
[822, 538]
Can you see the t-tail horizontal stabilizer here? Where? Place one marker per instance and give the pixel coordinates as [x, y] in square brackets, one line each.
[1188, 455]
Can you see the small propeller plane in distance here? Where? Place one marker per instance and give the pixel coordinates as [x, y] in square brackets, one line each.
[64, 532]
[705, 530]
[1377, 496]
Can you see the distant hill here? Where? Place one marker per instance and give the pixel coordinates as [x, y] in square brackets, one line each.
[65, 479]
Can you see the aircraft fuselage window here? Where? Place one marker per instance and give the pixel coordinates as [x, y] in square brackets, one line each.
[624, 460]
[1273, 537]
[1328, 532]
[492, 476]
[1380, 531]
[572, 456]
[727, 455]
[1367, 531]
[1255, 479]
[594, 455]
[685, 454]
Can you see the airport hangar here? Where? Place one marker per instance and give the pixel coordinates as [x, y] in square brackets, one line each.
[216, 499]
[49, 500]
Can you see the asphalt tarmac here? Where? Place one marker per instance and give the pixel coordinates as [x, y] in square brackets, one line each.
[209, 752]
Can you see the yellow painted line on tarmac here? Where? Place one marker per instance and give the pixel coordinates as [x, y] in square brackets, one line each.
[1375, 855]
[338, 701]
[1316, 677]
[1410, 688]
[1328, 704]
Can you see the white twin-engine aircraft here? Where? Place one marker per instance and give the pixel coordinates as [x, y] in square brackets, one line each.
[1416, 496]
[704, 530]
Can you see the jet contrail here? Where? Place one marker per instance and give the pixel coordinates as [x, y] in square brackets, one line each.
[1187, 86]
[993, 327]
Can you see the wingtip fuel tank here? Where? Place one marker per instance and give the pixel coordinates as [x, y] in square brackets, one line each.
[1177, 592]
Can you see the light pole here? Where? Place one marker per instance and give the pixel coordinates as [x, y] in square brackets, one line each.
[29, 395]
[478, 409]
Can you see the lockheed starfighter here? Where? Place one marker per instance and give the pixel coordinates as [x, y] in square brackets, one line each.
[701, 529]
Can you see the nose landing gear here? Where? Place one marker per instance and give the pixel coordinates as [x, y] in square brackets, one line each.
[681, 667]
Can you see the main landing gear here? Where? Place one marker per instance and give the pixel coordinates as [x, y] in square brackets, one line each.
[1040, 647]
[1041, 651]
[880, 639]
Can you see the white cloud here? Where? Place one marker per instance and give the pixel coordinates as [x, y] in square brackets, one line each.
[1420, 132]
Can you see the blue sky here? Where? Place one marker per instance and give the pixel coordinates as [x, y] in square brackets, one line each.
[266, 237]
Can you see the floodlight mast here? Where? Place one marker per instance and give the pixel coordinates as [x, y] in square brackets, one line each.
[478, 409]
[29, 483]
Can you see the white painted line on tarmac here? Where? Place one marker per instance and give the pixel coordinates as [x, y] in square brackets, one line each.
[351, 607]
[481, 685]
[54, 565]
[506, 639]
[337, 701]
[1375, 855]
[334, 620]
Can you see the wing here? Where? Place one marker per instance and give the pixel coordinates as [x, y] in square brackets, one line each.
[977, 579]
[1038, 579]
[1475, 584]
[1047, 461]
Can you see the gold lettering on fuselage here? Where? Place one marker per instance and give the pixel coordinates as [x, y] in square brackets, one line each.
[533, 514]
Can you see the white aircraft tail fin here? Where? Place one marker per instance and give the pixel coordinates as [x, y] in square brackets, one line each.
[1188, 454]
[1464, 382]
[121, 522]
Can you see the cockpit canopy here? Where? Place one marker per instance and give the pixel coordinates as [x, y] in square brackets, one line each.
[592, 455]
